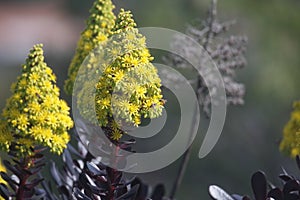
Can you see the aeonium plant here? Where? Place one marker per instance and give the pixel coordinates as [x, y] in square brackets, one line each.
[34, 119]
[130, 72]
[125, 91]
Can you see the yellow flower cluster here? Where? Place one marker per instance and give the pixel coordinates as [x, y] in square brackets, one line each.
[99, 26]
[290, 143]
[128, 87]
[34, 114]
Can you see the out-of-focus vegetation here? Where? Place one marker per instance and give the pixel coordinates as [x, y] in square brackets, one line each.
[252, 133]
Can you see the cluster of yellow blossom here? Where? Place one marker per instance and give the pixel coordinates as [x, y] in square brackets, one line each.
[128, 87]
[290, 143]
[34, 114]
[99, 26]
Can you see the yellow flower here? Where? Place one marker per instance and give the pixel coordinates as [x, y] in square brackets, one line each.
[5, 137]
[116, 134]
[290, 143]
[35, 115]
[118, 75]
[98, 28]
[131, 78]
[21, 122]
[34, 77]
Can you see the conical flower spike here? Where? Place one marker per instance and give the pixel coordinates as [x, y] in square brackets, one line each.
[98, 28]
[34, 114]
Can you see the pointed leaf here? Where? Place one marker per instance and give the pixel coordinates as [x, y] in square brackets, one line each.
[4, 192]
[80, 196]
[55, 174]
[291, 186]
[276, 193]
[259, 185]
[159, 192]
[218, 193]
[130, 195]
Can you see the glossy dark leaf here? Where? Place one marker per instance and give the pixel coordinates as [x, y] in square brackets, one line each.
[68, 161]
[55, 174]
[291, 186]
[259, 185]
[80, 196]
[33, 183]
[28, 194]
[94, 170]
[11, 182]
[285, 177]
[143, 189]
[83, 180]
[237, 197]
[39, 149]
[40, 162]
[159, 192]
[4, 191]
[36, 169]
[246, 198]
[218, 193]
[47, 188]
[11, 168]
[130, 195]
[37, 156]
[74, 151]
[276, 194]
[298, 161]
[120, 190]
[39, 194]
[95, 189]
[291, 197]
[64, 190]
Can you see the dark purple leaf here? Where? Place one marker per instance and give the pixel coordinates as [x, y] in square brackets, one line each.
[159, 192]
[64, 190]
[11, 168]
[259, 185]
[276, 194]
[130, 195]
[285, 177]
[33, 183]
[291, 186]
[95, 171]
[298, 161]
[80, 196]
[11, 182]
[4, 191]
[246, 198]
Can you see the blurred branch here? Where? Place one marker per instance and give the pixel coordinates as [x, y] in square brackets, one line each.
[187, 154]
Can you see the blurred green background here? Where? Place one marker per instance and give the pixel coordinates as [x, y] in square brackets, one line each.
[252, 132]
